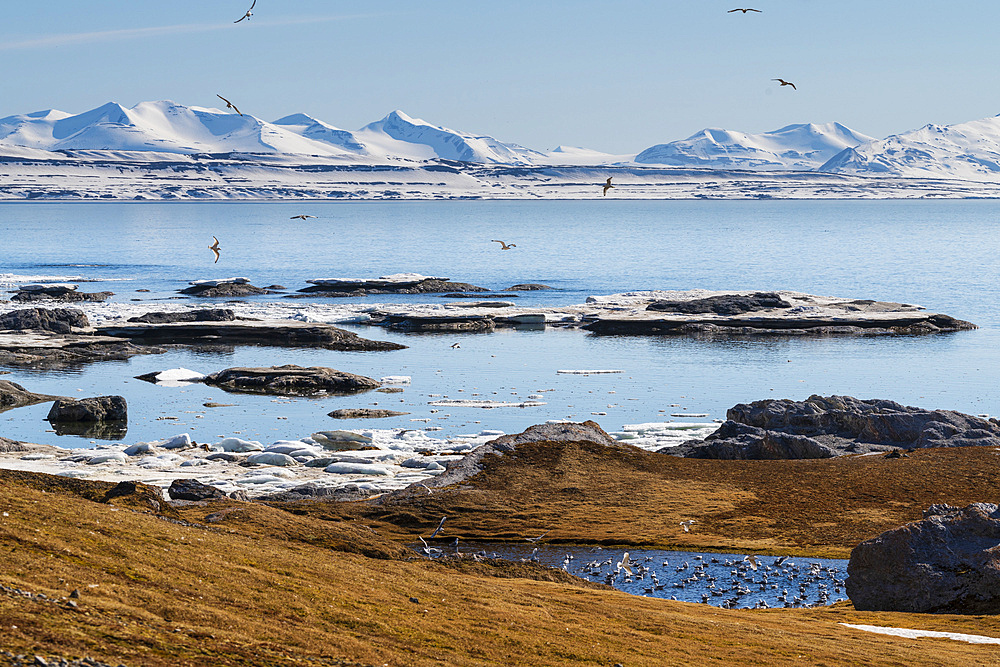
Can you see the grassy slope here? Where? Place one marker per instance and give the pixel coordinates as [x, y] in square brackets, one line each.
[230, 583]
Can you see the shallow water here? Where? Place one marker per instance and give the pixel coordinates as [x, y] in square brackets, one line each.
[940, 254]
[718, 579]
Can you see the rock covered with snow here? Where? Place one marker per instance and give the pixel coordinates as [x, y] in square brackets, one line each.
[948, 563]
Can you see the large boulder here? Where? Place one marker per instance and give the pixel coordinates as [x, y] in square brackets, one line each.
[841, 424]
[96, 409]
[192, 489]
[947, 563]
[291, 380]
[58, 320]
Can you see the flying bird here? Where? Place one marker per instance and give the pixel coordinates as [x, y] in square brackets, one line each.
[248, 14]
[506, 246]
[686, 525]
[438, 529]
[608, 186]
[535, 539]
[301, 217]
[215, 248]
[229, 105]
[455, 346]
[786, 83]
[748, 9]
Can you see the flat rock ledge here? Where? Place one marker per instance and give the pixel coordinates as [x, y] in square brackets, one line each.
[13, 395]
[58, 292]
[291, 380]
[823, 427]
[201, 315]
[948, 563]
[400, 283]
[227, 287]
[364, 413]
[282, 333]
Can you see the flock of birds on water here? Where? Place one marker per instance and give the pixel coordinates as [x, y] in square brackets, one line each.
[504, 246]
[713, 579]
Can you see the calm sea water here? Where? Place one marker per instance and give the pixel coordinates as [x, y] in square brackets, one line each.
[940, 254]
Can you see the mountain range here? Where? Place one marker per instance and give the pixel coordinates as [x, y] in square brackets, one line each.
[968, 151]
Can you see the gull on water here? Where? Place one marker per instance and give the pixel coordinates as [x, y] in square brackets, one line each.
[608, 186]
[215, 248]
[229, 105]
[505, 246]
[248, 14]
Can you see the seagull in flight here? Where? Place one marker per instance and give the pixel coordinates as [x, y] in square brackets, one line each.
[752, 561]
[608, 186]
[686, 525]
[215, 248]
[535, 539]
[785, 83]
[748, 9]
[429, 550]
[506, 246]
[229, 105]
[248, 14]
[301, 217]
[438, 529]
[455, 346]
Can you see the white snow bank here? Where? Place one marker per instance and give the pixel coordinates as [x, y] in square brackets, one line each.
[916, 634]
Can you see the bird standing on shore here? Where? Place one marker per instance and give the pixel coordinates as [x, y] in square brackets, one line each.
[785, 83]
[215, 248]
[229, 105]
[505, 246]
[608, 186]
[248, 14]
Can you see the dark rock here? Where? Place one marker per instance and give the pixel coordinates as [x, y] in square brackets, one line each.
[96, 409]
[363, 286]
[121, 489]
[413, 322]
[69, 351]
[291, 380]
[223, 289]
[57, 292]
[740, 441]
[840, 424]
[726, 304]
[7, 446]
[58, 320]
[527, 287]
[463, 295]
[285, 334]
[947, 563]
[364, 413]
[192, 489]
[204, 315]
[13, 395]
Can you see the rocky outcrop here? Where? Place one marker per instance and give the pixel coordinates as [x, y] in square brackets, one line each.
[96, 409]
[725, 304]
[740, 441]
[13, 395]
[57, 320]
[291, 380]
[471, 464]
[947, 563]
[69, 351]
[416, 322]
[8, 446]
[192, 489]
[227, 287]
[203, 315]
[364, 413]
[57, 292]
[838, 425]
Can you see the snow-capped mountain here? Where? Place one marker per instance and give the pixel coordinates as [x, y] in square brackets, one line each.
[799, 147]
[969, 151]
[156, 126]
[174, 128]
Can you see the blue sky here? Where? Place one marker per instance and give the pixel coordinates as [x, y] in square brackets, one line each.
[612, 76]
